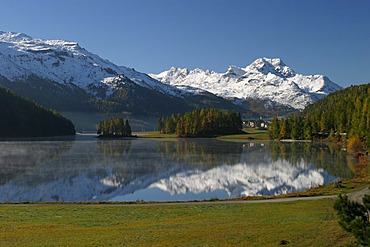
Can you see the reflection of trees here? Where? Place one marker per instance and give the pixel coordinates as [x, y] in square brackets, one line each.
[114, 147]
[328, 157]
[206, 153]
[115, 151]
[202, 152]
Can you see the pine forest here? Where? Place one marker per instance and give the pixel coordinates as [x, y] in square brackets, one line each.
[343, 114]
[24, 118]
[202, 123]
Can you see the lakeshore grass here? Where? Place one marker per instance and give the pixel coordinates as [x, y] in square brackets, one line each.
[249, 134]
[154, 134]
[299, 223]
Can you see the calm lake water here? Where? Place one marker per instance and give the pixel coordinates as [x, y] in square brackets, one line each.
[88, 169]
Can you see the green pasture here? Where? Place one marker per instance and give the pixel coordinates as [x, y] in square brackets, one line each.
[299, 223]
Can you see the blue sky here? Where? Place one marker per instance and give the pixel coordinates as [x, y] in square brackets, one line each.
[330, 37]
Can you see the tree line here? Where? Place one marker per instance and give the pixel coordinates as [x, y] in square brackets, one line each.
[294, 127]
[114, 127]
[345, 111]
[202, 123]
[24, 118]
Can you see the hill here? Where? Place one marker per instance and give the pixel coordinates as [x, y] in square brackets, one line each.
[23, 118]
[342, 113]
[347, 110]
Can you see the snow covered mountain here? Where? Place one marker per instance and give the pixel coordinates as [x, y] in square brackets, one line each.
[63, 76]
[65, 62]
[267, 79]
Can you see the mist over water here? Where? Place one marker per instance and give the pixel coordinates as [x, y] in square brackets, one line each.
[88, 169]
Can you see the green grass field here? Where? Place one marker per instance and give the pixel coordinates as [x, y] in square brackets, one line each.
[300, 223]
[250, 134]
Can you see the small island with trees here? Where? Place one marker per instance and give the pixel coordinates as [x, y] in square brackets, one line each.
[115, 127]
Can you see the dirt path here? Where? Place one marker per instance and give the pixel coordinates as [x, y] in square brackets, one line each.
[357, 196]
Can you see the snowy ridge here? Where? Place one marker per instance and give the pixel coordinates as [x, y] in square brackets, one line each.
[266, 79]
[64, 62]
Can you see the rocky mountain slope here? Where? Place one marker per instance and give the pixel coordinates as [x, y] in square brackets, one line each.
[267, 79]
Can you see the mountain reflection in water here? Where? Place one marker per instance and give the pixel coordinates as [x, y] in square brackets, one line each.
[176, 169]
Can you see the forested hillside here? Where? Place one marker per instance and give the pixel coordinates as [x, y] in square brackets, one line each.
[23, 118]
[345, 112]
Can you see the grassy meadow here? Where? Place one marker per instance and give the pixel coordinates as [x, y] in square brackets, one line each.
[249, 134]
[299, 223]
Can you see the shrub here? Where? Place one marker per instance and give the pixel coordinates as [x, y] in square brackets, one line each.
[354, 217]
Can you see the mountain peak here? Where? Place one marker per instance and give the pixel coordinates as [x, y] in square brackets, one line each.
[266, 60]
[234, 71]
[27, 43]
[57, 60]
[64, 62]
[12, 36]
[265, 79]
[271, 65]
[275, 61]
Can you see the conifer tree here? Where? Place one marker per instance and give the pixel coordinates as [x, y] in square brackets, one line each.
[128, 129]
[161, 124]
[274, 129]
[284, 129]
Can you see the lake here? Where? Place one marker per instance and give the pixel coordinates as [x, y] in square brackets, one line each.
[86, 169]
